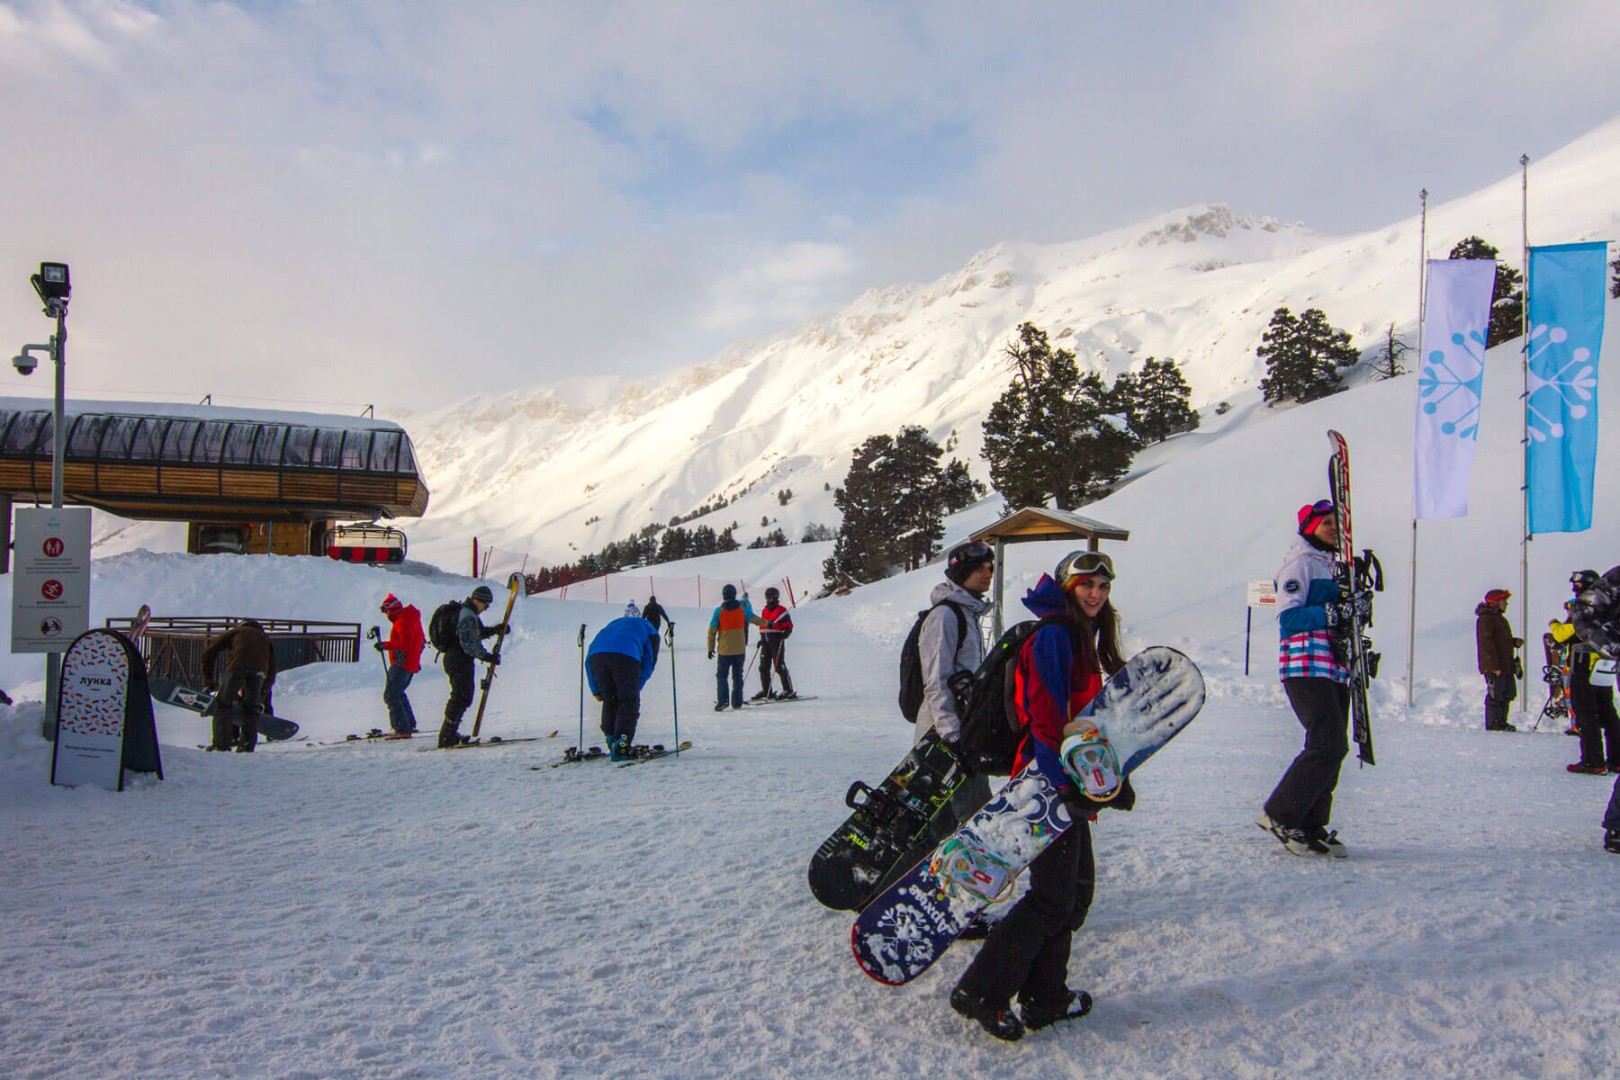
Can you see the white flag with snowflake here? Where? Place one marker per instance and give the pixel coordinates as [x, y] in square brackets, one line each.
[1451, 376]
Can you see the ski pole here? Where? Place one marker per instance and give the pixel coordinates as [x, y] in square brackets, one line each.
[674, 704]
[582, 688]
[376, 635]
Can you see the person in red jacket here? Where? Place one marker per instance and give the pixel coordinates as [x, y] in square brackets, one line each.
[404, 648]
[773, 635]
[1061, 667]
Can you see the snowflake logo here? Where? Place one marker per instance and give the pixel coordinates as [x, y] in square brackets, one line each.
[1454, 381]
[1560, 382]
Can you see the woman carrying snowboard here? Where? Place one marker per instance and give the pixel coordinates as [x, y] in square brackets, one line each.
[1061, 667]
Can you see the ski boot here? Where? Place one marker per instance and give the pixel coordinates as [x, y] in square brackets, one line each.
[1002, 1023]
[1036, 1016]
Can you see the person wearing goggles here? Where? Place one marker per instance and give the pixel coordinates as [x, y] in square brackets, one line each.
[1317, 684]
[1060, 668]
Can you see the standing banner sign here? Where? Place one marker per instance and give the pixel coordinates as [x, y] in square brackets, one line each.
[104, 722]
[1262, 594]
[1567, 297]
[50, 588]
[1457, 312]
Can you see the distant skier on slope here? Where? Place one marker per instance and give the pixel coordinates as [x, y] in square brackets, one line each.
[654, 612]
[777, 625]
[1317, 685]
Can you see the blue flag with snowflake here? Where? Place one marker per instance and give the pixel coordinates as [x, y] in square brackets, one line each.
[1567, 297]
[1451, 377]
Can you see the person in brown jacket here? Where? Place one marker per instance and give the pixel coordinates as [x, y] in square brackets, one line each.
[1496, 658]
[250, 668]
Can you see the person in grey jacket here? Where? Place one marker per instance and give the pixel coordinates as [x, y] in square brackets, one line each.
[948, 643]
[458, 662]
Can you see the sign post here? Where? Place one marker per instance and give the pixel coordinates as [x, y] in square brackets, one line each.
[1262, 594]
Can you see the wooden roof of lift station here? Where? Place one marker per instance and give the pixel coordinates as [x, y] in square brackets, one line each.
[168, 462]
[1035, 523]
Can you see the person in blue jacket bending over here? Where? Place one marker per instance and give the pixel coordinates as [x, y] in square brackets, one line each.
[617, 665]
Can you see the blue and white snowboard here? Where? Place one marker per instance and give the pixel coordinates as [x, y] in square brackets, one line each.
[910, 925]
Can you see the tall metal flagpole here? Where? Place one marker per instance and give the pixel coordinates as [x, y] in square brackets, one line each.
[1524, 409]
[1411, 599]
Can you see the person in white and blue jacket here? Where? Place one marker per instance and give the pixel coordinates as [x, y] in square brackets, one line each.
[1317, 685]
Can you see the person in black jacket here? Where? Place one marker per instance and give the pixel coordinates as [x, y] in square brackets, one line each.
[458, 662]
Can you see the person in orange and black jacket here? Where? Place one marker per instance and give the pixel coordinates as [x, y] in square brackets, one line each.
[1061, 668]
[777, 624]
[250, 670]
[1496, 647]
[728, 635]
[404, 648]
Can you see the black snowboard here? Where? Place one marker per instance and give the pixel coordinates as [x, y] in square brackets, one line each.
[889, 829]
[174, 692]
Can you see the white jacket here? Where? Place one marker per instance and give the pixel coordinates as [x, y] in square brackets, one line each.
[944, 653]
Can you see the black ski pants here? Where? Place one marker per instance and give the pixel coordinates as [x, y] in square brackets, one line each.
[618, 678]
[1304, 796]
[1598, 725]
[1500, 690]
[1027, 952]
[772, 657]
[458, 668]
[236, 710]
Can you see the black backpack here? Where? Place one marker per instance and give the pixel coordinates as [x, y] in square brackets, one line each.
[911, 673]
[991, 730]
[442, 626]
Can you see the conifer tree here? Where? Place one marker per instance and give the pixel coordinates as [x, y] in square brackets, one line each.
[1157, 403]
[1507, 292]
[1052, 436]
[1302, 356]
[891, 506]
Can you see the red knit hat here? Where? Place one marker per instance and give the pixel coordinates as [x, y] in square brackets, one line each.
[1496, 594]
[391, 604]
[1312, 513]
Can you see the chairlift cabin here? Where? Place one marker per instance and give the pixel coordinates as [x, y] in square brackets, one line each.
[1036, 523]
[246, 480]
[369, 543]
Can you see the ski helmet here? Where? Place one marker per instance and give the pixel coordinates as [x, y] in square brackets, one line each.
[1497, 594]
[1313, 514]
[728, 592]
[1077, 566]
[772, 595]
[1581, 580]
[966, 557]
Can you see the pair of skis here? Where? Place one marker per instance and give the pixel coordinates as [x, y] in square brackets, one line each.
[1356, 575]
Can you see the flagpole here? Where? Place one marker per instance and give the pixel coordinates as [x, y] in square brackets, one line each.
[1411, 599]
[1524, 409]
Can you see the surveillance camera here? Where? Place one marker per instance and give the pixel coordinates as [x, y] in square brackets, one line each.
[24, 363]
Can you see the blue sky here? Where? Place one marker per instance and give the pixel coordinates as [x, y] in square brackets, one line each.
[366, 200]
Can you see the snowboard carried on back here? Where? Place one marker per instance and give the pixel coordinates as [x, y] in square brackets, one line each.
[174, 692]
[883, 835]
[911, 923]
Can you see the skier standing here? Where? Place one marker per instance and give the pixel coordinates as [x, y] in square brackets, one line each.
[1591, 692]
[458, 662]
[774, 630]
[1596, 616]
[654, 612]
[250, 668]
[617, 665]
[1060, 668]
[728, 633]
[1317, 685]
[1496, 648]
[404, 650]
[950, 642]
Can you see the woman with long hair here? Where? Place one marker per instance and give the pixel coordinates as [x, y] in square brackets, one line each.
[1061, 667]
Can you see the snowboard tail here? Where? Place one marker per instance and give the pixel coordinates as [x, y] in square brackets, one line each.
[174, 692]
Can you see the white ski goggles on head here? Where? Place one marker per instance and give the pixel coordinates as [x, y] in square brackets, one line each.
[1083, 564]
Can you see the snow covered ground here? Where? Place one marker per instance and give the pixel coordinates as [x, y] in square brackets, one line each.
[377, 910]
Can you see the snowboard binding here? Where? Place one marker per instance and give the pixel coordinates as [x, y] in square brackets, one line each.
[966, 868]
[1090, 761]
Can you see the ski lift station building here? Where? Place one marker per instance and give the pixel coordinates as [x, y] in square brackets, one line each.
[245, 480]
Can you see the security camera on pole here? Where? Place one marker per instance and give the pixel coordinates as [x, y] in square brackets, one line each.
[63, 598]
